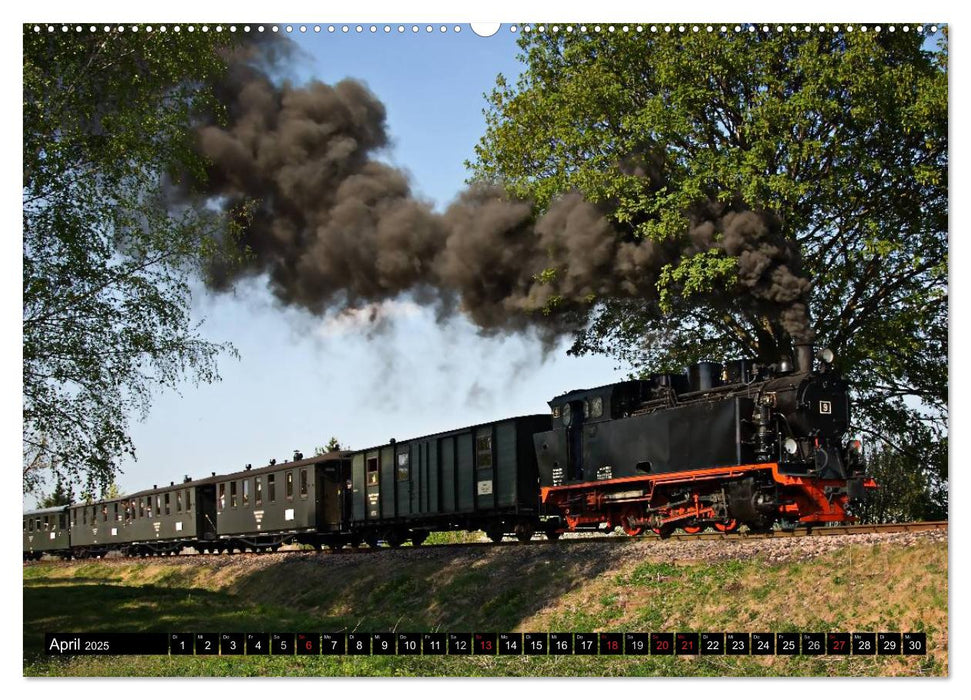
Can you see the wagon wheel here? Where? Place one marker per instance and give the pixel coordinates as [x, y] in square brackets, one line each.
[396, 538]
[418, 537]
[627, 519]
[727, 526]
[691, 529]
[553, 535]
[495, 533]
[335, 546]
[524, 531]
[372, 541]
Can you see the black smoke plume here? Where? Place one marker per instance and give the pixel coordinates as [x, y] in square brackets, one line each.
[334, 228]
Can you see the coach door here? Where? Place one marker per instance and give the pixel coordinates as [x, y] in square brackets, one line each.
[330, 488]
[205, 511]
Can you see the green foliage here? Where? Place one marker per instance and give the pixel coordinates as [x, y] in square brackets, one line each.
[906, 492]
[106, 259]
[61, 495]
[333, 445]
[842, 136]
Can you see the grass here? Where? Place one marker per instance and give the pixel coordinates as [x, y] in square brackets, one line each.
[859, 588]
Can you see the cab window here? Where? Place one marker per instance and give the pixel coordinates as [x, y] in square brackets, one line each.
[596, 407]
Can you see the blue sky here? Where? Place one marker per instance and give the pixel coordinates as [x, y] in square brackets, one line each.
[302, 379]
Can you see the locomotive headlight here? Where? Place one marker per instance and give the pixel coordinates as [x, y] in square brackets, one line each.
[825, 355]
[791, 446]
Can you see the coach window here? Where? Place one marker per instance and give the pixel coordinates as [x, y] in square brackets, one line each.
[168, 507]
[141, 508]
[483, 452]
[25, 526]
[222, 496]
[178, 501]
[188, 500]
[258, 491]
[117, 514]
[289, 486]
[62, 521]
[158, 506]
[271, 487]
[403, 466]
[29, 524]
[303, 483]
[232, 494]
[372, 471]
[245, 493]
[104, 513]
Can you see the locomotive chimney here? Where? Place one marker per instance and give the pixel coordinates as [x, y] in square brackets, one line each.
[804, 357]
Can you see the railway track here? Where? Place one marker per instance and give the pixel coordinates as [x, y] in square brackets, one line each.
[683, 536]
[572, 539]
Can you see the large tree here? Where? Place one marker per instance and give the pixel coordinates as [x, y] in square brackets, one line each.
[841, 137]
[106, 258]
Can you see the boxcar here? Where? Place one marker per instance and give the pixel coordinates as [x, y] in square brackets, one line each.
[303, 501]
[479, 477]
[46, 531]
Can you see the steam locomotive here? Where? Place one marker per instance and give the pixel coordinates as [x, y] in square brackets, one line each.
[721, 446]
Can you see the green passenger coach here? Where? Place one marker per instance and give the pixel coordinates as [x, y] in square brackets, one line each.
[46, 532]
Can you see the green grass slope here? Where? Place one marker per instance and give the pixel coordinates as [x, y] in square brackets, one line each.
[643, 586]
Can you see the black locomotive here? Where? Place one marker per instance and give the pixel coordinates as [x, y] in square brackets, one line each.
[718, 446]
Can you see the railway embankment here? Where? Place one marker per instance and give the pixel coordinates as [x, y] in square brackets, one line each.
[844, 583]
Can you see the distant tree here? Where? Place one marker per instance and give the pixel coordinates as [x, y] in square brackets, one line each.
[62, 495]
[106, 260]
[333, 445]
[842, 137]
